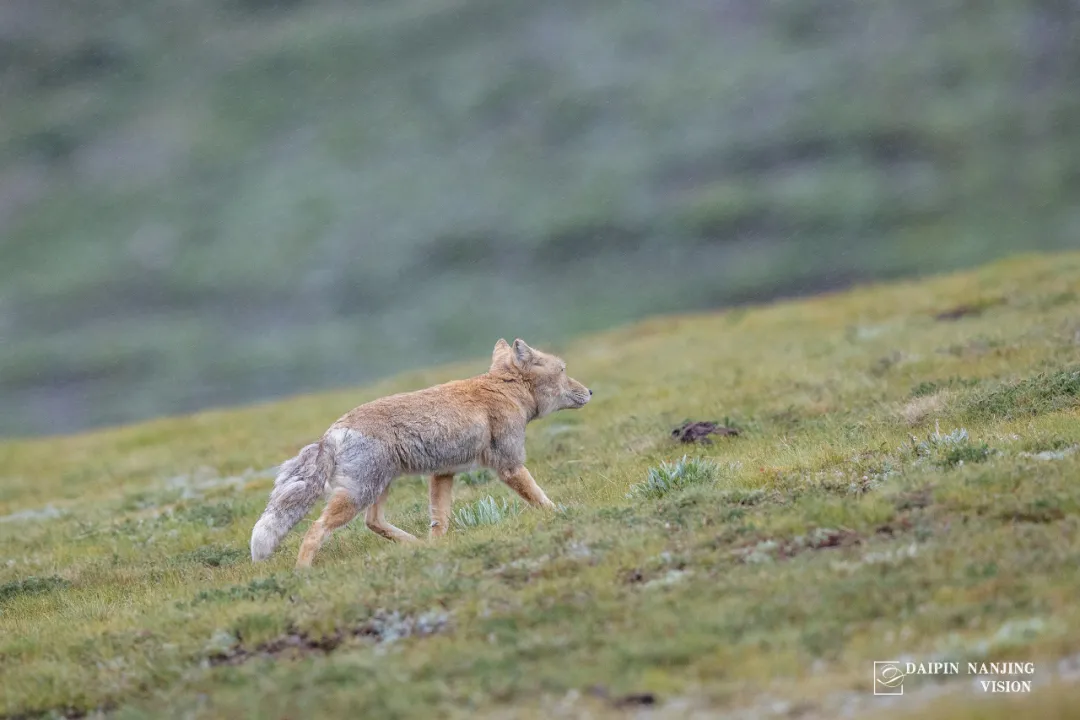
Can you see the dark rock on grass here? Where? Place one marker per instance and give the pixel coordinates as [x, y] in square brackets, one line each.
[699, 431]
[636, 699]
[957, 312]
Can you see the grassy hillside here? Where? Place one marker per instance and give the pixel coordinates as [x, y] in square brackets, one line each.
[217, 201]
[903, 487]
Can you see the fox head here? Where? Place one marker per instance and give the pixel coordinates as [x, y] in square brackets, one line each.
[544, 375]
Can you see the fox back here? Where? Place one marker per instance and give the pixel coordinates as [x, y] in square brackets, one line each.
[464, 424]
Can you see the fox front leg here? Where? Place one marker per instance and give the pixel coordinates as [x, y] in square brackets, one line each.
[440, 491]
[522, 482]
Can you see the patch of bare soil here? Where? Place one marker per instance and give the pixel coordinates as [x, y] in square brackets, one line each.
[817, 539]
[382, 628]
[967, 309]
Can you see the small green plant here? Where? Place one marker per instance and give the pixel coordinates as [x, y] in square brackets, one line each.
[966, 453]
[950, 450]
[670, 477]
[486, 511]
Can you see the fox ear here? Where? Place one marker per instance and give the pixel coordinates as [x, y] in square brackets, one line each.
[501, 352]
[523, 354]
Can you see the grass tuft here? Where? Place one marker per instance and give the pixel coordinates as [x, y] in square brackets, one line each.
[950, 450]
[1036, 395]
[674, 476]
[32, 586]
[486, 511]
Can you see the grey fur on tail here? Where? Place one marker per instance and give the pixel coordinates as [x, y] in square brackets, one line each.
[299, 483]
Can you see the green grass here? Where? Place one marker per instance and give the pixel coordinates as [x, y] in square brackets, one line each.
[852, 520]
[476, 477]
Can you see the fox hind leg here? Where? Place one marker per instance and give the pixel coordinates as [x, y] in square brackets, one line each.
[440, 491]
[378, 523]
[338, 512]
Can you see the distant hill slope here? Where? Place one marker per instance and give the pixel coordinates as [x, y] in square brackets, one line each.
[902, 487]
[219, 201]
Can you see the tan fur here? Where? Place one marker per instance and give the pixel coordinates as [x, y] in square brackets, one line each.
[437, 431]
[521, 480]
[339, 511]
[440, 492]
[376, 521]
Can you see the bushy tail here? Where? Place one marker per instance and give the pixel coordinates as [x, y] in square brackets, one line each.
[300, 482]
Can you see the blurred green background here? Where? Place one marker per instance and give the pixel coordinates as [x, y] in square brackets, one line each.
[206, 202]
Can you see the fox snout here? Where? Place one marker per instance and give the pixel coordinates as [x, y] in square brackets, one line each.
[579, 394]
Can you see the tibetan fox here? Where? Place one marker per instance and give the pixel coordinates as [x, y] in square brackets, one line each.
[478, 422]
